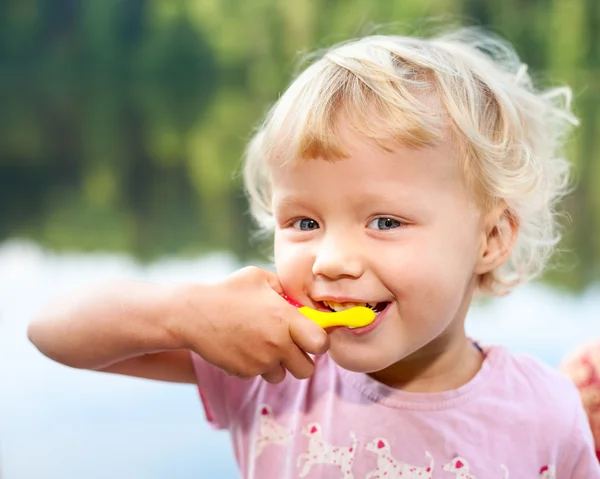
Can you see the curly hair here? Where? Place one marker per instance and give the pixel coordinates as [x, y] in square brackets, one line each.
[509, 136]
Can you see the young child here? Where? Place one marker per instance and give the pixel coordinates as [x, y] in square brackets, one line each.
[405, 174]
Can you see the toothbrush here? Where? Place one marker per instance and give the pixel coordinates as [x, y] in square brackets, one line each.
[356, 317]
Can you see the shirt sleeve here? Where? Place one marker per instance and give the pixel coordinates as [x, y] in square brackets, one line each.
[579, 456]
[222, 395]
[211, 387]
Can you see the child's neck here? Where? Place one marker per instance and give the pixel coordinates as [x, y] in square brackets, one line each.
[442, 365]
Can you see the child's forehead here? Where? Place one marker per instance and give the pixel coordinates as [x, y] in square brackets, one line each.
[352, 131]
[382, 166]
[372, 162]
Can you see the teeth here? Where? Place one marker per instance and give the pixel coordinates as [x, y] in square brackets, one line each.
[343, 306]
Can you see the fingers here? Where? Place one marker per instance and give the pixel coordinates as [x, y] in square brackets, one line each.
[260, 274]
[275, 375]
[273, 281]
[298, 363]
[283, 336]
[308, 335]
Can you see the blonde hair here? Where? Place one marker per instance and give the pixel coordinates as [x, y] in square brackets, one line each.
[509, 136]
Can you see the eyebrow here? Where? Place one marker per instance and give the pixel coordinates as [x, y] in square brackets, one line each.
[398, 199]
[288, 200]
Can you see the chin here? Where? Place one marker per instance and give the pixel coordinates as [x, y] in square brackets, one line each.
[361, 363]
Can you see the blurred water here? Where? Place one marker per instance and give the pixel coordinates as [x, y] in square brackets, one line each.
[61, 423]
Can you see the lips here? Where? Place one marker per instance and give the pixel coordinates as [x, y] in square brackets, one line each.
[379, 318]
[380, 308]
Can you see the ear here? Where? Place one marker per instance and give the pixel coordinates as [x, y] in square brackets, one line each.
[500, 234]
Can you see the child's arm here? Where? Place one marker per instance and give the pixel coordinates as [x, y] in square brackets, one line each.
[240, 325]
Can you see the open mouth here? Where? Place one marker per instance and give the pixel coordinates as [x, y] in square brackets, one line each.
[334, 307]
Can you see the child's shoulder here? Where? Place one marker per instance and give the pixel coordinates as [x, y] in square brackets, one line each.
[536, 372]
[537, 384]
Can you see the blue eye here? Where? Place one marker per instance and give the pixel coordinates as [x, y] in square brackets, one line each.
[384, 224]
[306, 224]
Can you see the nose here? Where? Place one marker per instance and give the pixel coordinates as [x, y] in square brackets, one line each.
[338, 257]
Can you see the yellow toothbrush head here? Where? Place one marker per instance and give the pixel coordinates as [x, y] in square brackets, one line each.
[357, 317]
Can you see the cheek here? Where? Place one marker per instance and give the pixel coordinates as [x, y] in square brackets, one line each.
[434, 268]
[282, 258]
[451, 250]
[290, 262]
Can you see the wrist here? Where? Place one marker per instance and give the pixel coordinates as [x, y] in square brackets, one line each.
[182, 318]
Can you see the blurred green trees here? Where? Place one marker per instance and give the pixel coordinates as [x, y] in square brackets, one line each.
[122, 123]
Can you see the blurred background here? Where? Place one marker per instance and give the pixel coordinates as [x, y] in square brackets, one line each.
[122, 124]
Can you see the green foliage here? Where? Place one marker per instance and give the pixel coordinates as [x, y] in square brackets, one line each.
[122, 123]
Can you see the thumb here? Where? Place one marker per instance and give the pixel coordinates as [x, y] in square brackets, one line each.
[307, 335]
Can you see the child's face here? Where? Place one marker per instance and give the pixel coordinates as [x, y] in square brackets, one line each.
[398, 229]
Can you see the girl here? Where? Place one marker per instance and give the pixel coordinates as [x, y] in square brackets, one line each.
[404, 174]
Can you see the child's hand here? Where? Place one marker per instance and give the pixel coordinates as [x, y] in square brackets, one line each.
[243, 326]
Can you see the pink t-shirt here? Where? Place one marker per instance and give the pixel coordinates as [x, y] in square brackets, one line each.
[517, 418]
